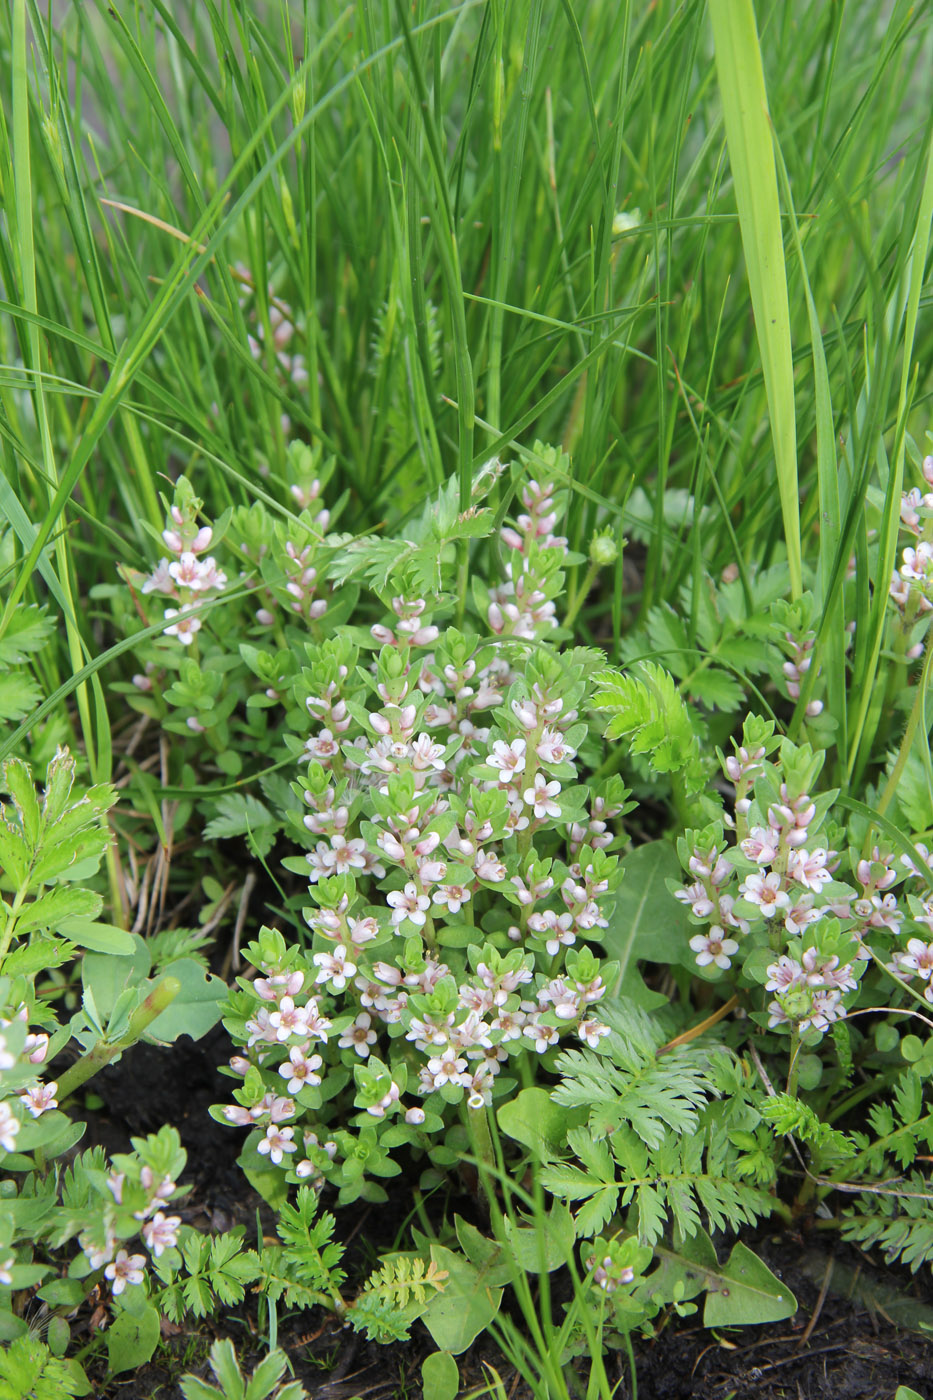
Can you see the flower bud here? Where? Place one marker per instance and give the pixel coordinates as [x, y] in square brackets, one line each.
[603, 551]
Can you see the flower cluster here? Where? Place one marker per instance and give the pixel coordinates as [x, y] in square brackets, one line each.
[21, 1093]
[776, 883]
[283, 329]
[136, 1191]
[458, 871]
[523, 604]
[183, 575]
[912, 583]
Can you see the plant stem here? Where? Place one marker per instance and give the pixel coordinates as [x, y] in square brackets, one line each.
[897, 772]
[161, 996]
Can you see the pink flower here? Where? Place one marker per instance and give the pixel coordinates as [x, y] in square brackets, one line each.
[542, 797]
[783, 974]
[699, 901]
[552, 747]
[408, 904]
[714, 948]
[809, 869]
[299, 1069]
[507, 759]
[288, 1019]
[761, 845]
[160, 1233]
[276, 1143]
[40, 1098]
[185, 628]
[126, 1268]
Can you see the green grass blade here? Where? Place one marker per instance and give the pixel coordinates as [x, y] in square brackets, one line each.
[751, 154]
[890, 524]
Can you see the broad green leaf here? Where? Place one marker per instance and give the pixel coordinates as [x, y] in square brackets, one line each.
[533, 1119]
[440, 1377]
[195, 1009]
[546, 1245]
[132, 1338]
[904, 1392]
[646, 920]
[747, 1292]
[54, 1132]
[456, 1317]
[486, 1254]
[106, 976]
[99, 938]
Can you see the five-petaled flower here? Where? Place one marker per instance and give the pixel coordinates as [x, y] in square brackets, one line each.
[161, 1233]
[276, 1143]
[126, 1268]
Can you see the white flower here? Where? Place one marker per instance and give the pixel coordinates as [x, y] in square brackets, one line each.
[541, 797]
[507, 759]
[161, 1233]
[126, 1268]
[40, 1098]
[918, 958]
[591, 1033]
[322, 745]
[766, 892]
[185, 628]
[276, 1143]
[408, 904]
[713, 947]
[415, 1116]
[299, 1069]
[448, 1068]
[809, 868]
[9, 1127]
[359, 1035]
[453, 896]
[6, 1278]
[334, 968]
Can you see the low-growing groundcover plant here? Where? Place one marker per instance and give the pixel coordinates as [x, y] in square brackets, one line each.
[577, 890]
[440, 995]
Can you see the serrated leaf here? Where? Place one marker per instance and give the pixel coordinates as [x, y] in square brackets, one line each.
[27, 631]
[56, 907]
[19, 696]
[240, 814]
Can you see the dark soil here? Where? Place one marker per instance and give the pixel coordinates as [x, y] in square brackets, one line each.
[843, 1342]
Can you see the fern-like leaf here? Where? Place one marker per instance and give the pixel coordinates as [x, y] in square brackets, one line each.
[645, 707]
